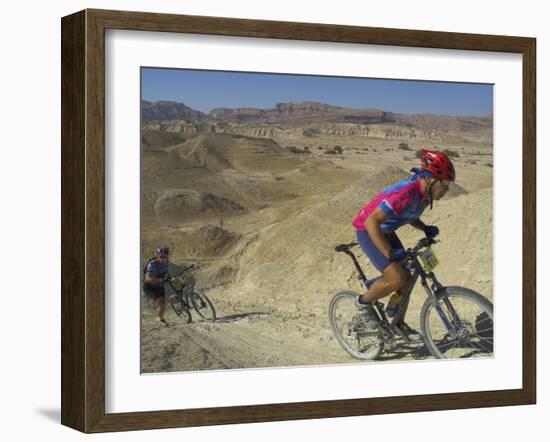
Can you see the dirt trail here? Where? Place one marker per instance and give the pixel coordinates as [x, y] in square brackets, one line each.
[272, 270]
[252, 338]
[276, 315]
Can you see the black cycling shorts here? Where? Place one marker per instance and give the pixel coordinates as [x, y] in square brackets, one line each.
[370, 249]
[153, 291]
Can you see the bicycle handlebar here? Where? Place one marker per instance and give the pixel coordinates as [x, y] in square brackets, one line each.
[422, 243]
[186, 269]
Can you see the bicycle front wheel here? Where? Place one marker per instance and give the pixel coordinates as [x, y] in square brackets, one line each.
[459, 325]
[203, 306]
[181, 308]
[354, 336]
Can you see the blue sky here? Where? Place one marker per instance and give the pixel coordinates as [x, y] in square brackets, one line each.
[206, 90]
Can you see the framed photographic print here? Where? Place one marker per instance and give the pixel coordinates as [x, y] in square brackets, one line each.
[270, 220]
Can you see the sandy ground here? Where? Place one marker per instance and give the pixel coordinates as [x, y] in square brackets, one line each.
[272, 270]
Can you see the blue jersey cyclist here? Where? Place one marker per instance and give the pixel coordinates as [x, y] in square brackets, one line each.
[156, 271]
[376, 223]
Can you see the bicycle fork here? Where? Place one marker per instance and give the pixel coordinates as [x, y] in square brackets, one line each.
[449, 325]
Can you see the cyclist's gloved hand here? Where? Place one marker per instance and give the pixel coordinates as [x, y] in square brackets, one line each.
[397, 255]
[431, 231]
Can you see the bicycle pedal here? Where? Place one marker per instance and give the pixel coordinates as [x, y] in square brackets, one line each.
[402, 335]
[391, 346]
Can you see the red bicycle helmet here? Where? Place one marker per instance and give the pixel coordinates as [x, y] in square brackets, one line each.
[438, 164]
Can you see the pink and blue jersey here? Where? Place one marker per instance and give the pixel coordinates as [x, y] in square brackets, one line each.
[402, 203]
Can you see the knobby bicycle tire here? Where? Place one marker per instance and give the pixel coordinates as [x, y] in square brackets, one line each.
[483, 321]
[378, 343]
[180, 309]
[203, 306]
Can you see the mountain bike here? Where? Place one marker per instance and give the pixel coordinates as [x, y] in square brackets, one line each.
[456, 322]
[185, 297]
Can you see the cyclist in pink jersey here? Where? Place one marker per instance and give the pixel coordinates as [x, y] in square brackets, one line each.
[376, 223]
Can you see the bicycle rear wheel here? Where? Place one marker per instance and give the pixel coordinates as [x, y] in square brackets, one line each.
[181, 308]
[203, 306]
[460, 326]
[353, 335]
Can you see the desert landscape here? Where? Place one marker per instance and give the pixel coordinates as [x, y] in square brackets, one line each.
[259, 198]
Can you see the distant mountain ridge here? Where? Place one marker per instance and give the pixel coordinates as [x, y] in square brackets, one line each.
[300, 113]
[168, 110]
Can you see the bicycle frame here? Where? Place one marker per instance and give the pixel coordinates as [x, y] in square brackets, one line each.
[418, 271]
[181, 291]
[176, 290]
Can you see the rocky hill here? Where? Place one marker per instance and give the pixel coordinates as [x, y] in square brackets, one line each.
[299, 114]
[310, 119]
[153, 139]
[272, 277]
[168, 110]
[224, 151]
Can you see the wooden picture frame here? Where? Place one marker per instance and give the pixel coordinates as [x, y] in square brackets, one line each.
[83, 220]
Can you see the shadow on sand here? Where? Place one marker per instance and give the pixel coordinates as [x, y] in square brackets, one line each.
[420, 351]
[240, 316]
[402, 350]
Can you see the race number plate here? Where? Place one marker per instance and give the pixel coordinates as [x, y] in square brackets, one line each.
[428, 259]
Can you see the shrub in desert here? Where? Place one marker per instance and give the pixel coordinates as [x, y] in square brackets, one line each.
[418, 154]
[338, 149]
[404, 146]
[294, 149]
[451, 153]
[489, 164]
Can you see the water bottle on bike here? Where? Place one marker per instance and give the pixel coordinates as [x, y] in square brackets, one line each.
[393, 303]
